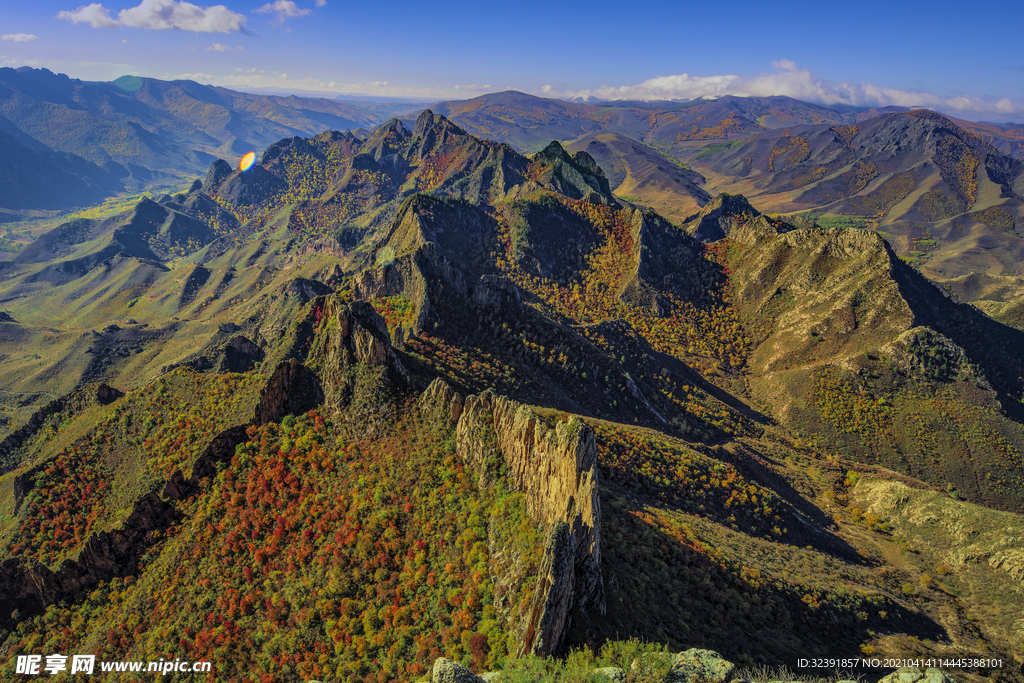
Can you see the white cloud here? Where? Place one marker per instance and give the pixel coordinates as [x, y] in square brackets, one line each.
[168, 14]
[793, 82]
[53, 65]
[95, 14]
[160, 15]
[193, 77]
[20, 37]
[125, 41]
[259, 78]
[473, 88]
[218, 47]
[321, 3]
[284, 10]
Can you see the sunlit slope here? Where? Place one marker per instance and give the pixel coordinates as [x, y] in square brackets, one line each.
[852, 346]
[948, 199]
[642, 174]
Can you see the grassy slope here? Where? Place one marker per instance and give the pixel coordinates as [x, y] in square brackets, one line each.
[967, 554]
[89, 468]
[644, 175]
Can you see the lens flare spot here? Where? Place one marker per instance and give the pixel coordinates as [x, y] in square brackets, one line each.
[247, 161]
[385, 256]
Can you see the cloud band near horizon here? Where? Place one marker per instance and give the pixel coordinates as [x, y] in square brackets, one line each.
[788, 81]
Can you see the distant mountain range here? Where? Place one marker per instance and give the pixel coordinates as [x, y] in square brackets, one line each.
[33, 176]
[526, 121]
[145, 132]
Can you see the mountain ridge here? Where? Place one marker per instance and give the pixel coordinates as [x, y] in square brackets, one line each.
[159, 130]
[447, 321]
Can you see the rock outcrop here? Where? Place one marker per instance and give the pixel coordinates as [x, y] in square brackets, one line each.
[350, 337]
[913, 674]
[576, 176]
[292, 389]
[28, 586]
[611, 674]
[412, 264]
[235, 354]
[496, 291]
[447, 671]
[700, 666]
[556, 470]
[218, 172]
[692, 666]
[732, 216]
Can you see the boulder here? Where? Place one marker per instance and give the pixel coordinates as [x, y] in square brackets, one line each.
[913, 674]
[447, 671]
[701, 666]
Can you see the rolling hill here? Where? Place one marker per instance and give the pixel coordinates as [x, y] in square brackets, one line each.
[149, 131]
[640, 173]
[948, 199]
[32, 176]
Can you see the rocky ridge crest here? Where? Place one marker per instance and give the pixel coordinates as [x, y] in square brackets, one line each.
[556, 469]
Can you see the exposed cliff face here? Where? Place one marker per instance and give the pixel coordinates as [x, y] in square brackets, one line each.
[495, 291]
[351, 344]
[424, 277]
[361, 377]
[556, 470]
[292, 389]
[431, 282]
[576, 176]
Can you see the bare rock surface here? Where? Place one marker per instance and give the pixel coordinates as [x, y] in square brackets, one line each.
[447, 671]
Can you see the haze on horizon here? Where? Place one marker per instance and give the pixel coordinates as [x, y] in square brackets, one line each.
[948, 56]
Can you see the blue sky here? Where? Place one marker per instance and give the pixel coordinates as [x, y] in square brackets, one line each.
[961, 58]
